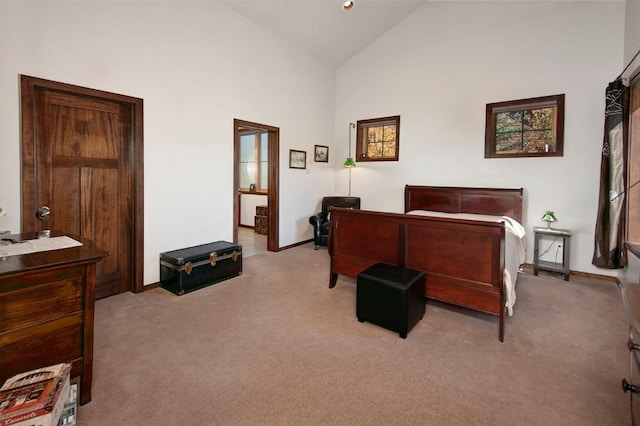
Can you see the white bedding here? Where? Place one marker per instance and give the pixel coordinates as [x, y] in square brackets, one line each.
[515, 246]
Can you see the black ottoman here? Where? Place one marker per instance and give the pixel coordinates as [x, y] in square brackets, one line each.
[391, 297]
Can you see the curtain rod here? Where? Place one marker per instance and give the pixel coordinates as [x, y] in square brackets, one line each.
[629, 64]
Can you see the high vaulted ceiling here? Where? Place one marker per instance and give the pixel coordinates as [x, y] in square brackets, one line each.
[321, 27]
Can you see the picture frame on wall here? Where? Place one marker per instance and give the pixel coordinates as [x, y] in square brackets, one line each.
[297, 159]
[320, 154]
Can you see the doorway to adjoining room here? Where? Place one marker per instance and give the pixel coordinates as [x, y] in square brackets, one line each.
[256, 182]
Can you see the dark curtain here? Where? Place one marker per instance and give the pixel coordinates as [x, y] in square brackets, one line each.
[609, 237]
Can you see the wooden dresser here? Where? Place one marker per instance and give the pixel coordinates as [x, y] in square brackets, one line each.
[47, 310]
[630, 287]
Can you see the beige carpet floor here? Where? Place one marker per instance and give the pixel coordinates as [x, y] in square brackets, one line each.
[276, 346]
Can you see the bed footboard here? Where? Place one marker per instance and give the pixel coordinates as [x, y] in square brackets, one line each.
[463, 260]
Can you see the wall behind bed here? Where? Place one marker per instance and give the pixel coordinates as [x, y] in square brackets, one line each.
[439, 68]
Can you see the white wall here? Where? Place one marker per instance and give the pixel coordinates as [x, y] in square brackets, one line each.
[248, 203]
[440, 67]
[197, 66]
[194, 64]
[632, 35]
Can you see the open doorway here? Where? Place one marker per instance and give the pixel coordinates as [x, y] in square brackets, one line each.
[264, 174]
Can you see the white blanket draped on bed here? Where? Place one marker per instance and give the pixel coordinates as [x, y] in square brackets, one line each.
[515, 246]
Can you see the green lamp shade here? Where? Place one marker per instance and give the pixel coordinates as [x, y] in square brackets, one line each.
[549, 217]
[349, 162]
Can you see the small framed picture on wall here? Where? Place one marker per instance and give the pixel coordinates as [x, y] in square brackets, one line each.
[297, 159]
[321, 154]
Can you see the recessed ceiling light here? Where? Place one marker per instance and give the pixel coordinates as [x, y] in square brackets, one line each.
[348, 5]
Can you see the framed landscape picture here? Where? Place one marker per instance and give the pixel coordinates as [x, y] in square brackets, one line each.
[321, 154]
[297, 159]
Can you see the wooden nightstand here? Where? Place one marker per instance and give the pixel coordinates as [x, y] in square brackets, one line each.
[544, 265]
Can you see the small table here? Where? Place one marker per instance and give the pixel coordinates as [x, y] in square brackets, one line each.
[538, 264]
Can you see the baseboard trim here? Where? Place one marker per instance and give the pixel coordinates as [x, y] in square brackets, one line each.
[528, 267]
[150, 286]
[301, 243]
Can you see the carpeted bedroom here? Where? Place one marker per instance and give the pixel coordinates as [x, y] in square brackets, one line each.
[277, 346]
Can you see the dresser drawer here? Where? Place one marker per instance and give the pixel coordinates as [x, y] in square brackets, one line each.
[633, 380]
[36, 303]
[47, 343]
[634, 367]
[262, 211]
[261, 225]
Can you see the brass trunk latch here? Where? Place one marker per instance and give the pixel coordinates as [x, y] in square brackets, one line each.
[188, 267]
[213, 256]
[234, 256]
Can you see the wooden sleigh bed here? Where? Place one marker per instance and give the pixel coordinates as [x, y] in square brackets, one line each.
[463, 259]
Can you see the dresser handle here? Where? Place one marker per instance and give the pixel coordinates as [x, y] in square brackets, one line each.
[626, 386]
[633, 346]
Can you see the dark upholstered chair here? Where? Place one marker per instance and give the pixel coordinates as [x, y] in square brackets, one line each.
[322, 221]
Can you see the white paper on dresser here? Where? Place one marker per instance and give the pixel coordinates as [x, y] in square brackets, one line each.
[33, 246]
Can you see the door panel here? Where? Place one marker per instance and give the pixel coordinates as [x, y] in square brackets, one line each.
[65, 189]
[80, 155]
[85, 142]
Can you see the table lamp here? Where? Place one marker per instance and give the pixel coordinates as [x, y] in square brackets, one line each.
[549, 217]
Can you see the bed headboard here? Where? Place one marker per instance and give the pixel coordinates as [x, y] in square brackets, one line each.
[449, 199]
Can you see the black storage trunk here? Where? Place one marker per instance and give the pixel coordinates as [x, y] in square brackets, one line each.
[188, 269]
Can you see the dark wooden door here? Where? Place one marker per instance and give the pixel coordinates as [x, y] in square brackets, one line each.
[78, 164]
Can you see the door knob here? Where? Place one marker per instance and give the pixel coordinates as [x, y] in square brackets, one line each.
[43, 213]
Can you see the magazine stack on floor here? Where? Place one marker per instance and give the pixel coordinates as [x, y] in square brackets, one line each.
[37, 397]
[68, 416]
